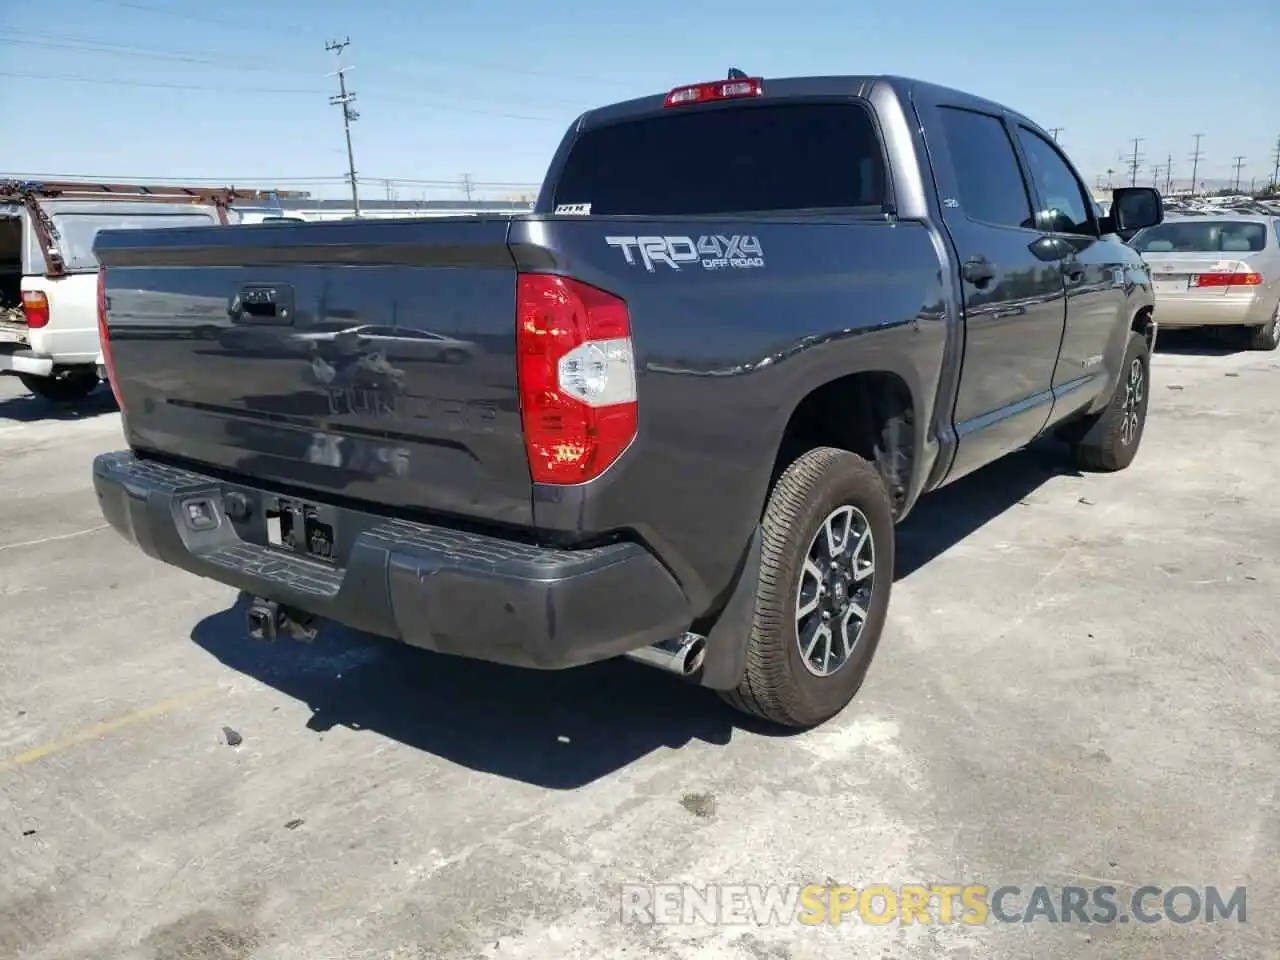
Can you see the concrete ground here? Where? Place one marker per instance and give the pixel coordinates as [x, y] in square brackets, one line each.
[1079, 685]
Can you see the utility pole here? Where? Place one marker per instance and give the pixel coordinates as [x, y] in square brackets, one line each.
[1195, 162]
[1055, 131]
[1168, 176]
[1155, 175]
[466, 186]
[1135, 161]
[1110, 177]
[1275, 173]
[345, 100]
[1239, 162]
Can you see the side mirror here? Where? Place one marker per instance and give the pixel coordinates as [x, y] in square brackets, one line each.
[1133, 209]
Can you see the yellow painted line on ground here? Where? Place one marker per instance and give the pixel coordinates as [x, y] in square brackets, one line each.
[100, 730]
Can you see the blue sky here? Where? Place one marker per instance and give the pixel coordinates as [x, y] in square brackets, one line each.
[178, 89]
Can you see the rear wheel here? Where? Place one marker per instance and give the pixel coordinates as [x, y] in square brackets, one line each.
[1110, 441]
[67, 388]
[1266, 337]
[825, 575]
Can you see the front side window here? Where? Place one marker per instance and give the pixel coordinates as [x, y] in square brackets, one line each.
[1065, 207]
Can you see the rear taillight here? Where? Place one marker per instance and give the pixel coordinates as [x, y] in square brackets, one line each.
[576, 370]
[106, 340]
[1227, 280]
[35, 308]
[715, 90]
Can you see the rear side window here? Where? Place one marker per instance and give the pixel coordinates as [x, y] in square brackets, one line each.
[742, 159]
[1202, 236]
[987, 173]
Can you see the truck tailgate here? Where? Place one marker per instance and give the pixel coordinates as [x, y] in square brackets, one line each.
[373, 360]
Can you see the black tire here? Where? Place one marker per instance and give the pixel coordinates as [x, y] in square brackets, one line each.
[1105, 444]
[68, 389]
[777, 685]
[1267, 336]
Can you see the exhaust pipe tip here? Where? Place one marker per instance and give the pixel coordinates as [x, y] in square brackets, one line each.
[681, 655]
[694, 656]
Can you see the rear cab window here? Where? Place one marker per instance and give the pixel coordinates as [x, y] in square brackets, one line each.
[761, 157]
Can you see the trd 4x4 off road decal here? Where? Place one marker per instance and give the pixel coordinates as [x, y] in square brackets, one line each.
[713, 252]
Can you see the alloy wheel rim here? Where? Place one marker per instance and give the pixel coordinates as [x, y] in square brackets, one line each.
[1135, 389]
[833, 597]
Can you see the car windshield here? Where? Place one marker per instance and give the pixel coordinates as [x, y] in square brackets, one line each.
[1203, 236]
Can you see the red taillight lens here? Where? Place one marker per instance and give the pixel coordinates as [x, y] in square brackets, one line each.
[35, 308]
[576, 369]
[106, 340]
[1227, 280]
[715, 90]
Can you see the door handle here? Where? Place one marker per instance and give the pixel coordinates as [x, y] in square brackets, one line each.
[263, 304]
[978, 271]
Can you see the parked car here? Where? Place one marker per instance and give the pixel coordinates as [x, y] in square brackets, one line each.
[749, 323]
[1220, 270]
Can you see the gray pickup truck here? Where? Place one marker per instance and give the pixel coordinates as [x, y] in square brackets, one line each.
[672, 414]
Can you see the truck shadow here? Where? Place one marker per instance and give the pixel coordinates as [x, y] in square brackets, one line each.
[28, 408]
[943, 518]
[555, 729]
[559, 729]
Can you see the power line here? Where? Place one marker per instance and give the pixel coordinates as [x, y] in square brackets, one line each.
[349, 116]
[64, 78]
[113, 49]
[169, 11]
[87, 45]
[492, 67]
[282, 91]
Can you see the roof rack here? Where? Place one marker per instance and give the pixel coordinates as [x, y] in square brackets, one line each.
[30, 193]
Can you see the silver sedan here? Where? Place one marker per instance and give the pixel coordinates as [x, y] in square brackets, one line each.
[1215, 270]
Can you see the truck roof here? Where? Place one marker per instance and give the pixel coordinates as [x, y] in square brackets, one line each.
[816, 86]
